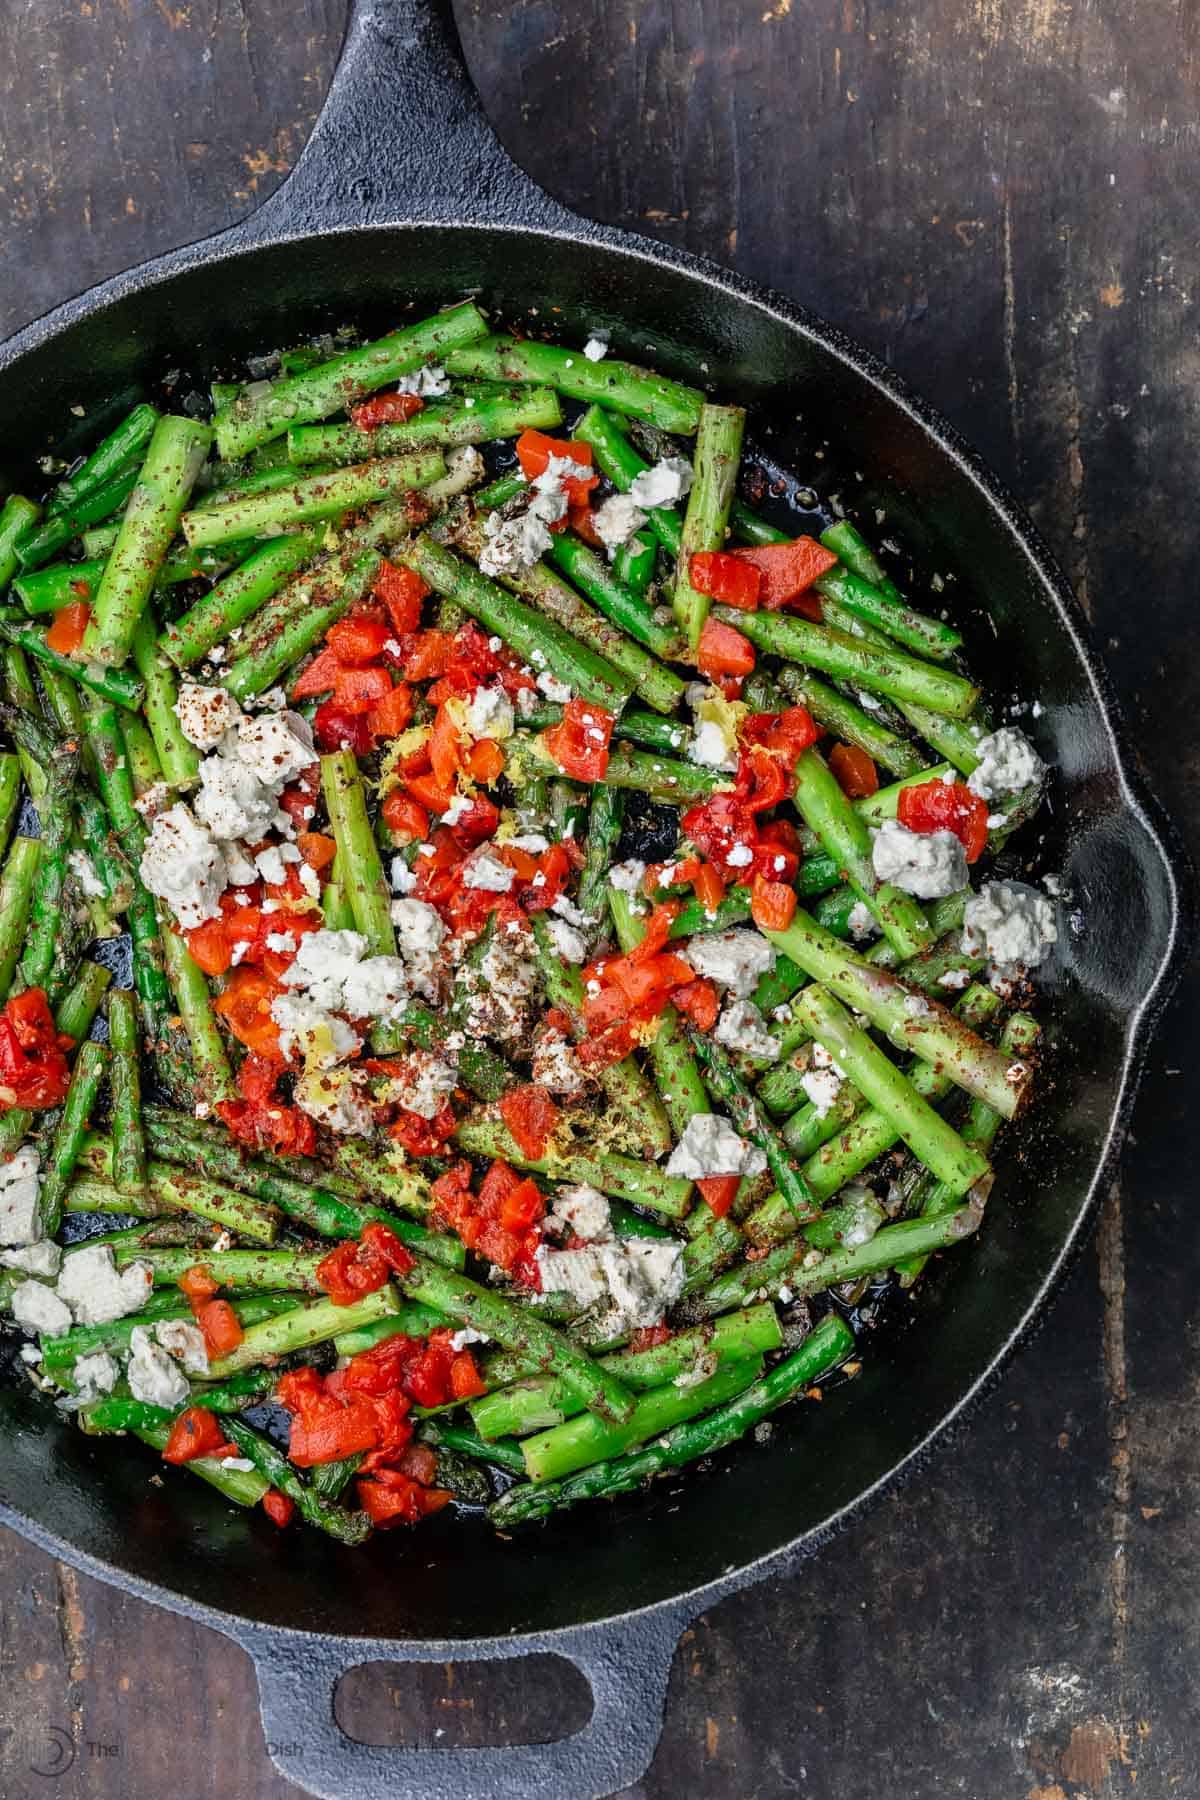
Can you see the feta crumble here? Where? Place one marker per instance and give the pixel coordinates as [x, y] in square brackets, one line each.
[96, 1291]
[925, 863]
[19, 1189]
[741, 1028]
[153, 1376]
[205, 714]
[1014, 926]
[183, 866]
[616, 520]
[733, 959]
[710, 1146]
[1008, 762]
[664, 484]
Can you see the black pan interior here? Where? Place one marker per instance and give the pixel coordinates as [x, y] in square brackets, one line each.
[826, 415]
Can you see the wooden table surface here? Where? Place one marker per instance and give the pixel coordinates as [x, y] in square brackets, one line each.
[998, 196]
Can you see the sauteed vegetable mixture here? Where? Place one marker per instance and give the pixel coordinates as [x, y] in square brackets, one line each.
[568, 969]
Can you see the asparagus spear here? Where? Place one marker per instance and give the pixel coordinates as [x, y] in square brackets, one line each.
[826, 1346]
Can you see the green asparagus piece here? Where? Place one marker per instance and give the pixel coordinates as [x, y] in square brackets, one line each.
[718, 453]
[16, 898]
[596, 577]
[624, 1177]
[621, 386]
[18, 517]
[199, 1021]
[538, 1402]
[129, 1147]
[237, 597]
[120, 686]
[828, 1344]
[538, 640]
[273, 1465]
[258, 414]
[313, 1322]
[929, 1031]
[164, 484]
[496, 413]
[46, 910]
[179, 758]
[849, 658]
[585, 1439]
[313, 497]
[723, 1081]
[368, 891]
[90, 1066]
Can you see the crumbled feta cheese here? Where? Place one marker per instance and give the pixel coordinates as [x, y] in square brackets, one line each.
[205, 714]
[19, 1188]
[403, 879]
[281, 942]
[1012, 925]
[330, 1097]
[860, 922]
[500, 989]
[710, 747]
[627, 877]
[596, 349]
[925, 863]
[232, 802]
[311, 1031]
[530, 841]
[94, 1375]
[310, 881]
[458, 809]
[465, 1336]
[324, 962]
[483, 870]
[419, 928]
[38, 1309]
[183, 866]
[430, 381]
[616, 519]
[741, 1028]
[734, 959]
[517, 542]
[740, 856]
[276, 747]
[584, 1210]
[43, 1258]
[84, 871]
[269, 864]
[238, 867]
[153, 800]
[185, 1343]
[569, 943]
[664, 484]
[1008, 762]
[555, 1065]
[954, 978]
[153, 1376]
[710, 1146]
[554, 690]
[241, 1463]
[96, 1291]
[628, 1284]
[421, 1082]
[821, 1087]
[490, 714]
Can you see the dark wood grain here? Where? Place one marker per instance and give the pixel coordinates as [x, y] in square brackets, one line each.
[999, 197]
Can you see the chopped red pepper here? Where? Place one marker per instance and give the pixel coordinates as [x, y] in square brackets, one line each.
[531, 1116]
[385, 409]
[391, 1498]
[579, 742]
[278, 1508]
[382, 1239]
[724, 577]
[351, 1270]
[336, 727]
[854, 771]
[33, 1066]
[70, 622]
[405, 817]
[534, 450]
[319, 675]
[946, 806]
[786, 734]
[719, 1192]
[357, 639]
[786, 570]
[723, 651]
[402, 592]
[772, 904]
[196, 1432]
[221, 1327]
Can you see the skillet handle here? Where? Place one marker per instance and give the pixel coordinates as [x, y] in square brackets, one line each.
[626, 1665]
[401, 138]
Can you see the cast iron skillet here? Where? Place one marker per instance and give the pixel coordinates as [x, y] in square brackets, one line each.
[404, 198]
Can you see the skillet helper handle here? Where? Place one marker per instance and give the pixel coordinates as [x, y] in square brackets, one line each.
[401, 137]
[626, 1665]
